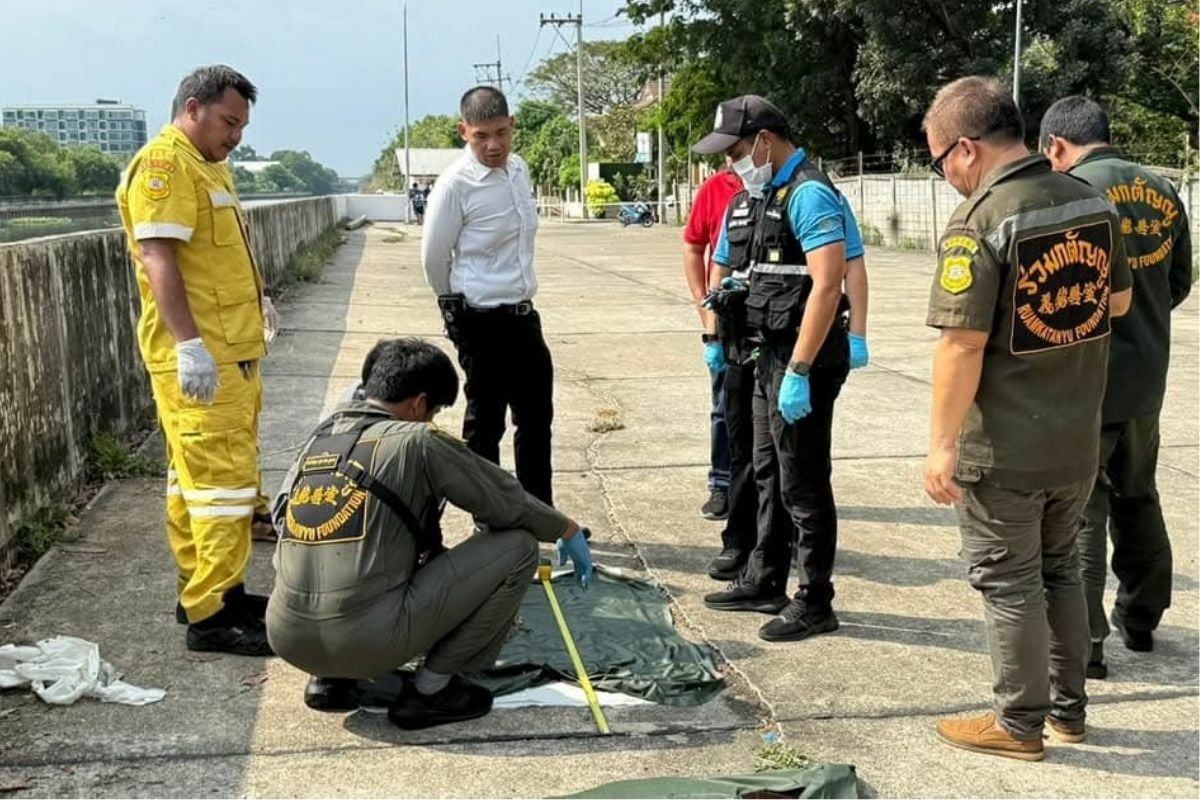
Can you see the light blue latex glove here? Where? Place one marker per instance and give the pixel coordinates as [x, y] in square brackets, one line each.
[795, 399]
[859, 356]
[732, 284]
[577, 550]
[714, 356]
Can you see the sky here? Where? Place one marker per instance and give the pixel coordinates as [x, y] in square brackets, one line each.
[329, 72]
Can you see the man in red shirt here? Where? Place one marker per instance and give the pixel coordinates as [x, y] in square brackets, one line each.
[731, 472]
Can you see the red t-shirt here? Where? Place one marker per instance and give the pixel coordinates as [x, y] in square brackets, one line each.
[708, 210]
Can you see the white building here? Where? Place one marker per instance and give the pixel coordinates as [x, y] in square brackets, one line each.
[109, 125]
[426, 163]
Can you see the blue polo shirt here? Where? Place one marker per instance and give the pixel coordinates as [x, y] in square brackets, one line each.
[818, 215]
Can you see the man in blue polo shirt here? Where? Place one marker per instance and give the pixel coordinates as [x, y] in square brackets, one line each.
[793, 232]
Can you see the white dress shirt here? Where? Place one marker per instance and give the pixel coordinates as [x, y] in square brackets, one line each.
[479, 228]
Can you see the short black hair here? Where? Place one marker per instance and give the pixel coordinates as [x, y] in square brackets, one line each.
[1078, 119]
[404, 368]
[974, 107]
[208, 85]
[482, 103]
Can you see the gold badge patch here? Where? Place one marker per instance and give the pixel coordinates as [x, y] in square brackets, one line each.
[956, 274]
[782, 193]
[156, 184]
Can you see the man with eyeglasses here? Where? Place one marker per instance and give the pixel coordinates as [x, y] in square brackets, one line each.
[1031, 271]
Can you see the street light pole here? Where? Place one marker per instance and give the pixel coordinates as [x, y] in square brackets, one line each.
[662, 158]
[1017, 60]
[407, 159]
[583, 165]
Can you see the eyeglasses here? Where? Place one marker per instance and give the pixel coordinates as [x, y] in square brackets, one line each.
[938, 166]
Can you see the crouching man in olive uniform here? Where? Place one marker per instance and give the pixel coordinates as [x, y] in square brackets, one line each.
[363, 583]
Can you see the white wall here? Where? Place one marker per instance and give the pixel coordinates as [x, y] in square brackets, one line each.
[375, 207]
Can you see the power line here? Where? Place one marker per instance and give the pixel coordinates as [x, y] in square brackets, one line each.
[532, 52]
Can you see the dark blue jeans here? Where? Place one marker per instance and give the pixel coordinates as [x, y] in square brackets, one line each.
[719, 459]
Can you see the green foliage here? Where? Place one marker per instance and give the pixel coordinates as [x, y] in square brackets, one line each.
[41, 530]
[94, 171]
[313, 177]
[599, 195]
[871, 235]
[308, 263]
[244, 152]
[611, 77]
[243, 180]
[433, 130]
[32, 164]
[778, 755]
[111, 459]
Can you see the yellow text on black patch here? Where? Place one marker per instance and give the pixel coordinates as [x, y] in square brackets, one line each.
[324, 506]
[1061, 291]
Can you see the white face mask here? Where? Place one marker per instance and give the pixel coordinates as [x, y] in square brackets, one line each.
[753, 178]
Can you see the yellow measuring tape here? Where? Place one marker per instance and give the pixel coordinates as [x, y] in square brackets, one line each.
[544, 575]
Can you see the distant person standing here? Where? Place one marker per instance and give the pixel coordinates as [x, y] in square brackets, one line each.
[478, 258]
[416, 198]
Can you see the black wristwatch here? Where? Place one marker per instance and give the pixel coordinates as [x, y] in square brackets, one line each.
[798, 367]
[709, 338]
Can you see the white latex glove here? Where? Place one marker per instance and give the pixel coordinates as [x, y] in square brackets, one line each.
[197, 370]
[270, 320]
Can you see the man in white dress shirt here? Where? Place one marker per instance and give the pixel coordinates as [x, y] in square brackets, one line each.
[477, 251]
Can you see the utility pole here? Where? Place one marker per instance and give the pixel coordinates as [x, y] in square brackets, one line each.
[662, 159]
[500, 77]
[1017, 60]
[577, 21]
[407, 160]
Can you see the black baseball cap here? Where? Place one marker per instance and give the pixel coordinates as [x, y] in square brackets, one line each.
[741, 116]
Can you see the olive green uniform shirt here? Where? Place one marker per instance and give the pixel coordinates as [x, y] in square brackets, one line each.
[1031, 259]
[363, 550]
[1158, 246]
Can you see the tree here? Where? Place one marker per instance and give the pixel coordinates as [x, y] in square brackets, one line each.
[34, 165]
[616, 133]
[244, 152]
[314, 178]
[94, 171]
[243, 180]
[610, 78]
[277, 178]
[433, 130]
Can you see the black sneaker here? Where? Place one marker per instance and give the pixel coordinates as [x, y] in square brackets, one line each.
[460, 701]
[728, 565]
[1097, 670]
[331, 694]
[798, 621]
[739, 596]
[1138, 641]
[228, 632]
[717, 506]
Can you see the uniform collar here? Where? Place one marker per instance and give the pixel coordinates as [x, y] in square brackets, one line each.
[789, 168]
[176, 135]
[478, 170]
[1034, 162]
[1098, 154]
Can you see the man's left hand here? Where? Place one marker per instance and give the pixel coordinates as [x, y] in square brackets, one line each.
[859, 355]
[795, 398]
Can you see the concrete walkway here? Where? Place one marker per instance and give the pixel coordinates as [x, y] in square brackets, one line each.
[624, 338]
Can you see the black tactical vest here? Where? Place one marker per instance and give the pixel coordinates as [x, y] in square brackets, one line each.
[779, 280]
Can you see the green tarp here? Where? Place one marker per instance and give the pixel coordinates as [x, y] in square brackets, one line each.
[821, 780]
[625, 636]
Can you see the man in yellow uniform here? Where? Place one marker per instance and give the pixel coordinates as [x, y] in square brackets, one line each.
[201, 334]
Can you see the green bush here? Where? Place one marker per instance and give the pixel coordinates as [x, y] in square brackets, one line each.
[600, 193]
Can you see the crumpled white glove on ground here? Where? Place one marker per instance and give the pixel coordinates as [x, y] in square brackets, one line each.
[63, 669]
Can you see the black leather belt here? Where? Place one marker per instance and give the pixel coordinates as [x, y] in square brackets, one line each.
[521, 309]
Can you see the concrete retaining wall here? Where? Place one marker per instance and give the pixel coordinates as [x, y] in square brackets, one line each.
[69, 362]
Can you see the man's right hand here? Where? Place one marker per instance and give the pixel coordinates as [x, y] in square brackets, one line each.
[198, 378]
[714, 356]
[574, 546]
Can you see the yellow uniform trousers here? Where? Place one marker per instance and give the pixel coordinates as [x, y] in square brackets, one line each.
[213, 482]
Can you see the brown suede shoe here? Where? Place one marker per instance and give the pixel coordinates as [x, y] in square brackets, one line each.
[1066, 732]
[982, 734]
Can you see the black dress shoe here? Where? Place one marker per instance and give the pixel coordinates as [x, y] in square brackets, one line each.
[228, 631]
[331, 694]
[252, 606]
[717, 505]
[798, 621]
[728, 565]
[1138, 641]
[460, 701]
[740, 596]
